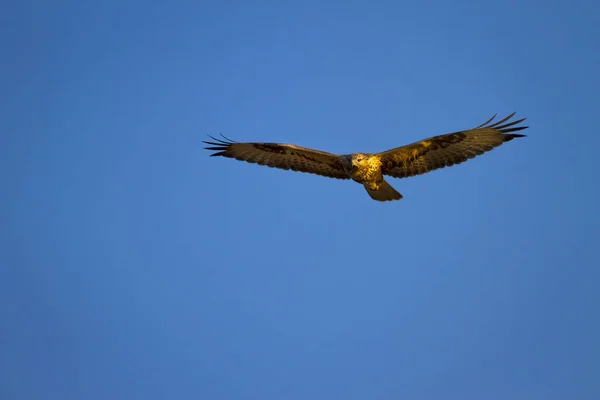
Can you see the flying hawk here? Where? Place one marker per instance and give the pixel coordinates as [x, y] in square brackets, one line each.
[368, 169]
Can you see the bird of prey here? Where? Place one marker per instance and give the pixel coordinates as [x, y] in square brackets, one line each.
[368, 169]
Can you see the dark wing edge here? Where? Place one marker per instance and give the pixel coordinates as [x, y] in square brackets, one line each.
[219, 145]
[449, 149]
[506, 128]
[278, 155]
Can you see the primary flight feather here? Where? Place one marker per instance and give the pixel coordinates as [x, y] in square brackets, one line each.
[368, 169]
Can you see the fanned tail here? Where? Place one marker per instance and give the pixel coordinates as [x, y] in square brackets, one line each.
[385, 192]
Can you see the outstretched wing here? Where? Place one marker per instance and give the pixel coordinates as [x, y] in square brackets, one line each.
[283, 156]
[447, 150]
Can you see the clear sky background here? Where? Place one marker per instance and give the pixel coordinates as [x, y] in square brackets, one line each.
[133, 266]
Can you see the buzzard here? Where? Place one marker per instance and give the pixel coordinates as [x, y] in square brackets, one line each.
[368, 169]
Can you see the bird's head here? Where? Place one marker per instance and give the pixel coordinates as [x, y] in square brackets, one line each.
[353, 162]
[358, 159]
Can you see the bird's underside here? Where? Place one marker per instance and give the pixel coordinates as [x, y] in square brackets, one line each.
[368, 169]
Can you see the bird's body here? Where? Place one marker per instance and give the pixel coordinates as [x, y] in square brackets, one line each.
[369, 169]
[366, 170]
[363, 168]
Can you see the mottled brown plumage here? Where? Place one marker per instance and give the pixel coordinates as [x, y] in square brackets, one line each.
[368, 169]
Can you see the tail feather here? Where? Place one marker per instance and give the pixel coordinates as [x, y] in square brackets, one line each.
[385, 192]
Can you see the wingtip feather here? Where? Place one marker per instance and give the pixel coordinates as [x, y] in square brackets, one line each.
[510, 136]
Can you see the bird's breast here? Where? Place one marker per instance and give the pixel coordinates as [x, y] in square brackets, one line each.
[365, 171]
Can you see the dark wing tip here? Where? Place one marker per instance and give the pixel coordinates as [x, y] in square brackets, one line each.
[225, 139]
[219, 145]
[504, 125]
[487, 122]
[510, 136]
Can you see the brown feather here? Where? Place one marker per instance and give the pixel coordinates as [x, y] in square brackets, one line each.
[282, 156]
[447, 150]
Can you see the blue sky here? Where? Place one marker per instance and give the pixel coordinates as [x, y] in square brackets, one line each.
[133, 266]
